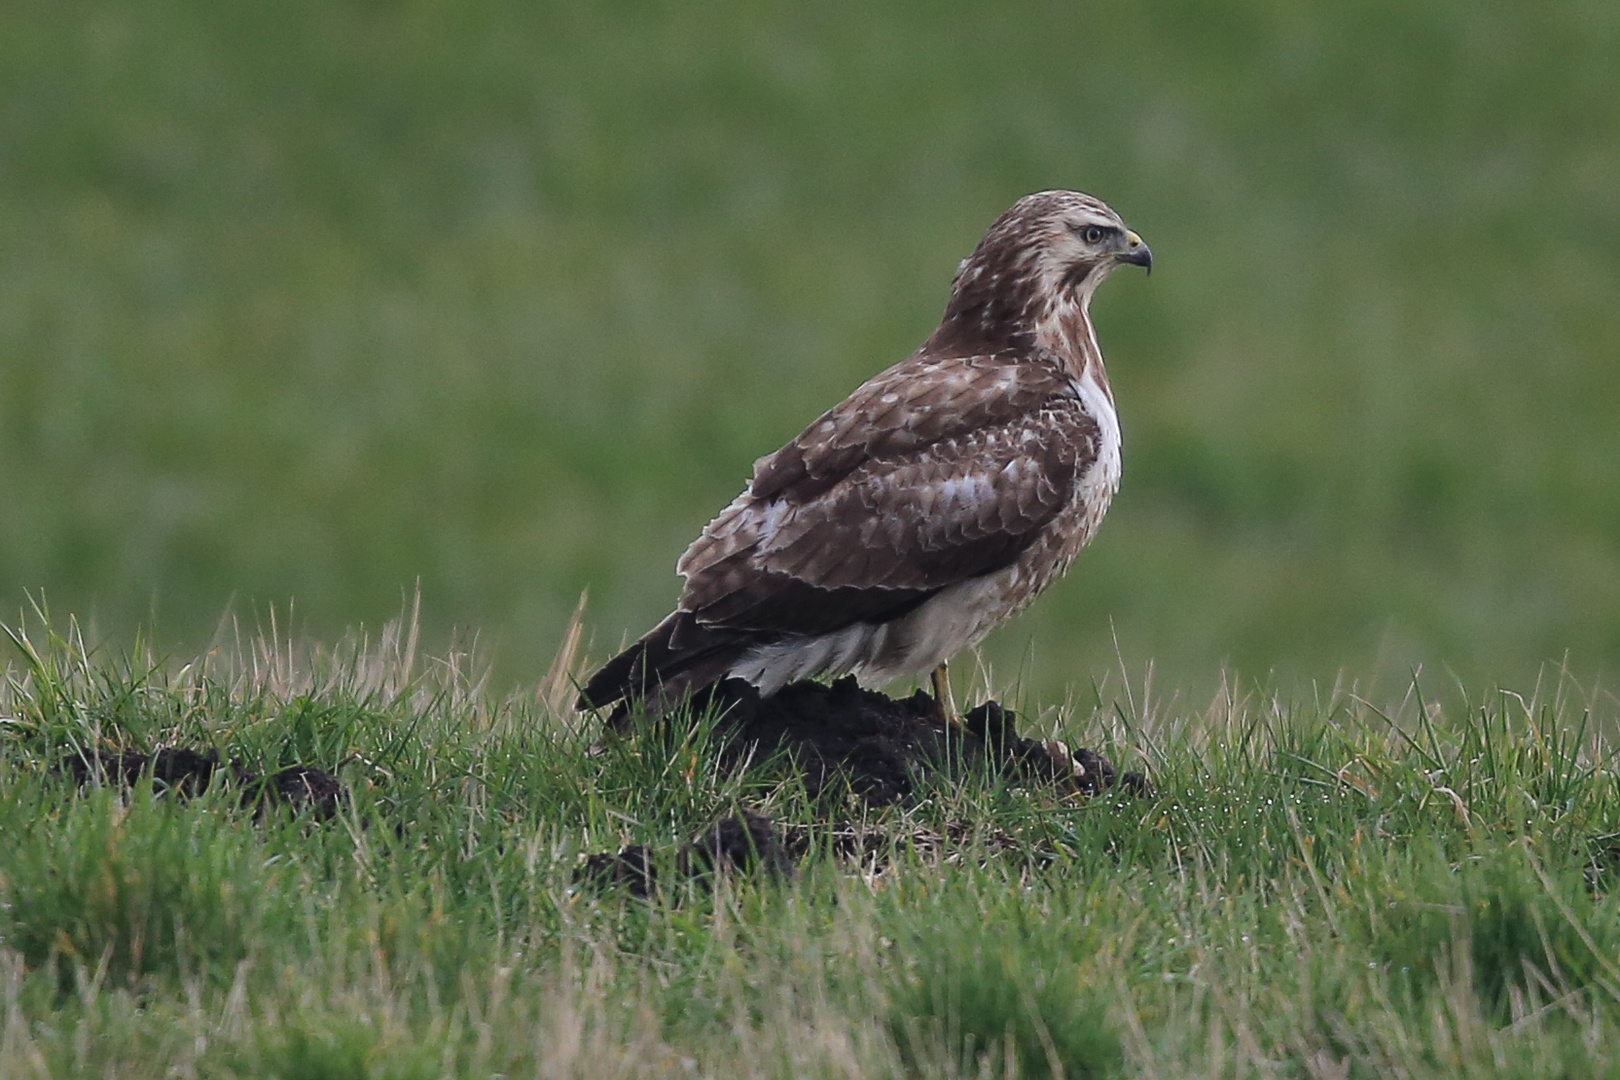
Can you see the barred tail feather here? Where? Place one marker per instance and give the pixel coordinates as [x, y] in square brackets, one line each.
[672, 661]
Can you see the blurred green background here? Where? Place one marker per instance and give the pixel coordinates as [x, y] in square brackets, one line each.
[309, 299]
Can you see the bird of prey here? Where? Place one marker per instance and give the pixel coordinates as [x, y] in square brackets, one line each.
[929, 506]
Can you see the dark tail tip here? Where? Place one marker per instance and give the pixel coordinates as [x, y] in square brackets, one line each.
[612, 681]
[675, 659]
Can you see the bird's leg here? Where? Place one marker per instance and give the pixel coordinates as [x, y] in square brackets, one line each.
[944, 703]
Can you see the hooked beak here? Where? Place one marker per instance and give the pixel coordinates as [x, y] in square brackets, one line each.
[1136, 252]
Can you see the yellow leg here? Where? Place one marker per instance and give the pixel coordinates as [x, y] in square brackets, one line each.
[943, 701]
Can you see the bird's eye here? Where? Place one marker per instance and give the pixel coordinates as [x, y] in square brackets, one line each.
[1092, 235]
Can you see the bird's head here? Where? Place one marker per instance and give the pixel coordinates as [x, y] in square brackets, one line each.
[1082, 238]
[1050, 249]
[1063, 238]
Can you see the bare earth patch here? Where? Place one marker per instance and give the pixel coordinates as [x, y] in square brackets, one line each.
[844, 737]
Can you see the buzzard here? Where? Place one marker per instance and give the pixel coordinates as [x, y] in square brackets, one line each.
[932, 504]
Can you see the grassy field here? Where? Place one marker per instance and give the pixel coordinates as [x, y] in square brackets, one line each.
[1321, 888]
[308, 301]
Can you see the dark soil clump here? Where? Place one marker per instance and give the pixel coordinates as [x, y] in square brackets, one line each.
[732, 843]
[845, 737]
[187, 773]
[304, 785]
[883, 747]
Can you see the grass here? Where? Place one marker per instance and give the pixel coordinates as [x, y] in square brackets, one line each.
[1331, 887]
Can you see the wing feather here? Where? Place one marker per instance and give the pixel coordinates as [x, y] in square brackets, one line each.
[936, 471]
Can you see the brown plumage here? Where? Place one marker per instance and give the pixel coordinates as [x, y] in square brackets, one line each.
[934, 502]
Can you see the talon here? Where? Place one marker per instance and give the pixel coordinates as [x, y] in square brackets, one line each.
[944, 703]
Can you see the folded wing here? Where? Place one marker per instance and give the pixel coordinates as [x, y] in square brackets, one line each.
[913, 484]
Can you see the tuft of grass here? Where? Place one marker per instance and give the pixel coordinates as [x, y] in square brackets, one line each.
[1001, 994]
[1525, 936]
[119, 889]
[342, 1050]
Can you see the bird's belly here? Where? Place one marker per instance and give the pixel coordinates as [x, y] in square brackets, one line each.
[773, 665]
[954, 619]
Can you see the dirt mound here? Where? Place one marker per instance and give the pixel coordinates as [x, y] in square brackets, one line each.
[188, 772]
[883, 747]
[732, 843]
